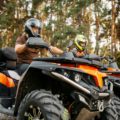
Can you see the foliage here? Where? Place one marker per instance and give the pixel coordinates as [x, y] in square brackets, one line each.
[118, 58]
[55, 14]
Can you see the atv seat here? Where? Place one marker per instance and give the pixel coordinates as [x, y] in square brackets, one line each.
[8, 58]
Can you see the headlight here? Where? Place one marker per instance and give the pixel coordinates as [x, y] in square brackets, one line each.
[106, 81]
[77, 77]
[108, 84]
[66, 74]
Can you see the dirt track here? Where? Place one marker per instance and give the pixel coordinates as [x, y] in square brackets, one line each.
[5, 117]
[84, 115]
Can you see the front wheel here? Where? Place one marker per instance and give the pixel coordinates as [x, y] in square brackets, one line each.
[112, 111]
[41, 105]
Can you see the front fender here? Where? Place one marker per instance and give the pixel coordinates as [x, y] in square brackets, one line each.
[35, 72]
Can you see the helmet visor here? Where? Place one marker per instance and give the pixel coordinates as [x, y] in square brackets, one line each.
[35, 31]
[80, 45]
[36, 24]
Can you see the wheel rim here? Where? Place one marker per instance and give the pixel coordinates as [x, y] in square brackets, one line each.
[33, 113]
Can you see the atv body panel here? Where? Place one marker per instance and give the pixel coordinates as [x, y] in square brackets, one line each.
[56, 74]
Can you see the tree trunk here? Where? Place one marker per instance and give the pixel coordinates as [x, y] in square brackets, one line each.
[113, 38]
[97, 22]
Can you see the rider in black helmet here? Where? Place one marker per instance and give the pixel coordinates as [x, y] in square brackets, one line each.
[33, 27]
[25, 54]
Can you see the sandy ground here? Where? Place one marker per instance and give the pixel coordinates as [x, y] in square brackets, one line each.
[84, 115]
[6, 117]
[87, 115]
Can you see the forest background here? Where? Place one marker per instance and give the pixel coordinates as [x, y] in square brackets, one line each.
[98, 20]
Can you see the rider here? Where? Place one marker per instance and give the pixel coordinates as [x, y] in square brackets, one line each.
[25, 54]
[78, 46]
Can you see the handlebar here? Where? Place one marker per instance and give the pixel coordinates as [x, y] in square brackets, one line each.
[36, 42]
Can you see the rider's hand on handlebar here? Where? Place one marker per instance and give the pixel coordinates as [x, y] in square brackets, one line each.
[33, 49]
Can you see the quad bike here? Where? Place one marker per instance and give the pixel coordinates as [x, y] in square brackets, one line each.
[75, 83]
[8, 80]
[112, 111]
[55, 88]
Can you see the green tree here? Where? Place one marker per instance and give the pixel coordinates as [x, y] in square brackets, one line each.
[55, 15]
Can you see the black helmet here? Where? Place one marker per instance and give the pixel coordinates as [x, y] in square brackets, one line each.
[31, 23]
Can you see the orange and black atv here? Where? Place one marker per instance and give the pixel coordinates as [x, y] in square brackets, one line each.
[112, 110]
[57, 88]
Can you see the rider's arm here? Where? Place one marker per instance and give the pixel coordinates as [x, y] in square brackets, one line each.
[19, 48]
[56, 50]
[20, 45]
[22, 48]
